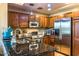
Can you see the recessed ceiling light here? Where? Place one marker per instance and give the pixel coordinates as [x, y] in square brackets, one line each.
[31, 4]
[49, 9]
[49, 5]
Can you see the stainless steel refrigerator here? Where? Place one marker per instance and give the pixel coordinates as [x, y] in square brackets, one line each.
[63, 35]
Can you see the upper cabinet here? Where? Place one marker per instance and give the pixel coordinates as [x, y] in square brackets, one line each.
[13, 19]
[43, 21]
[23, 20]
[46, 22]
[51, 22]
[17, 20]
[32, 17]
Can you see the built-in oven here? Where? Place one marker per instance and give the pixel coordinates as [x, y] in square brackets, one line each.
[34, 24]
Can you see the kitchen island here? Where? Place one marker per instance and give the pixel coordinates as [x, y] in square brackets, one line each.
[42, 50]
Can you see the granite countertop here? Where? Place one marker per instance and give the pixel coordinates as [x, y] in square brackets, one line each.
[42, 50]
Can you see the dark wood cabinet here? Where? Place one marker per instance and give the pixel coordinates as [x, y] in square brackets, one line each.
[46, 40]
[13, 19]
[32, 17]
[17, 20]
[10, 19]
[49, 40]
[23, 20]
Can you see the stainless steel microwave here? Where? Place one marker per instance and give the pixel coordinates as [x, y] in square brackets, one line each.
[34, 24]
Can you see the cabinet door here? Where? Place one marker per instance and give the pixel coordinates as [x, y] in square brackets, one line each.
[46, 22]
[46, 40]
[52, 42]
[49, 40]
[16, 20]
[32, 17]
[76, 38]
[23, 20]
[13, 19]
[10, 19]
[51, 23]
[43, 21]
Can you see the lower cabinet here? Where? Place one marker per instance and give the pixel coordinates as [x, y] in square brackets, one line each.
[49, 40]
[46, 40]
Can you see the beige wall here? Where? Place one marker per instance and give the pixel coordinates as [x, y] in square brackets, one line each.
[3, 25]
[3, 16]
[4, 20]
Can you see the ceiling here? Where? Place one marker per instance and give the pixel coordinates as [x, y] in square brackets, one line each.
[34, 8]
